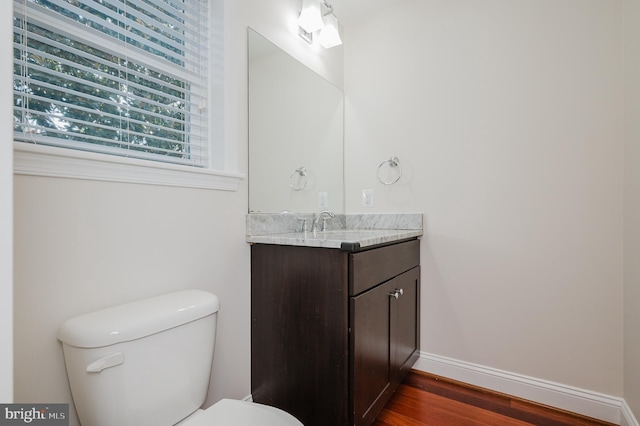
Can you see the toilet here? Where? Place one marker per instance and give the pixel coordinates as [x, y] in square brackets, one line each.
[149, 363]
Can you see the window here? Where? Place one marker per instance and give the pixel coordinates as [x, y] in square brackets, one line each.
[128, 78]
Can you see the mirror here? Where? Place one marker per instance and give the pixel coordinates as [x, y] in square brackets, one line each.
[295, 134]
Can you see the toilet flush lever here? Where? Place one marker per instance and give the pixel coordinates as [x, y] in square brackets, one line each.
[106, 362]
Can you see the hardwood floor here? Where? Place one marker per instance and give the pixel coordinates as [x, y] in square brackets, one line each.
[427, 400]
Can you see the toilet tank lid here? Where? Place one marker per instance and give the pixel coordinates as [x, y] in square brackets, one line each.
[138, 319]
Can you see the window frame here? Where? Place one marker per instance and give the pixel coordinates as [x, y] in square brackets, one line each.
[221, 172]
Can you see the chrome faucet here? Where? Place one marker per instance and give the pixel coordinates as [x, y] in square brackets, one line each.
[324, 215]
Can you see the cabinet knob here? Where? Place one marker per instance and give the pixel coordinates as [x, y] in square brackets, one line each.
[396, 293]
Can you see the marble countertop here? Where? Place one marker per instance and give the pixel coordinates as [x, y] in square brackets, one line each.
[345, 239]
[350, 232]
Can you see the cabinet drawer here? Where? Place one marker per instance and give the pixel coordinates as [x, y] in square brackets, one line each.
[370, 268]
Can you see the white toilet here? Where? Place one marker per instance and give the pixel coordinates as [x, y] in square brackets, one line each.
[149, 363]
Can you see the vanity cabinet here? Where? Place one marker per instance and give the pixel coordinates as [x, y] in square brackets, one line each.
[333, 331]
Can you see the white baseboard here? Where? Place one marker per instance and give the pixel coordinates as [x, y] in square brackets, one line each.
[587, 403]
[627, 417]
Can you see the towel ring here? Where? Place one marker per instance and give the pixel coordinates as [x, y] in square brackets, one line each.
[302, 173]
[393, 163]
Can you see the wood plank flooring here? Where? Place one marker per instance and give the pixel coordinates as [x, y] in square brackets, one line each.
[428, 400]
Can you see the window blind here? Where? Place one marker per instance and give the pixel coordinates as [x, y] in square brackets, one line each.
[121, 77]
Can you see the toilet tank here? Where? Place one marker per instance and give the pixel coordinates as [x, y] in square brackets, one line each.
[141, 363]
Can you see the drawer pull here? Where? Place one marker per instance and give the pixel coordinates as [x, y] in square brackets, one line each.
[396, 293]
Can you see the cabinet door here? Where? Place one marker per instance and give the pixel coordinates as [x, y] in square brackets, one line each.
[404, 324]
[384, 342]
[371, 370]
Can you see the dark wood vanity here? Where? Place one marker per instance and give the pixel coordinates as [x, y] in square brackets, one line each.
[333, 331]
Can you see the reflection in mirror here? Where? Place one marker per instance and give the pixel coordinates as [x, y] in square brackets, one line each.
[295, 134]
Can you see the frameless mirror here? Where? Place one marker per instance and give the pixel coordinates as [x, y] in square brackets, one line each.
[295, 134]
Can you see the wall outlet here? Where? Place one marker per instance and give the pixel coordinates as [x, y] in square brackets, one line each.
[323, 200]
[367, 198]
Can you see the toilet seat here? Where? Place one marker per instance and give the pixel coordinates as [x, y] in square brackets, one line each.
[229, 412]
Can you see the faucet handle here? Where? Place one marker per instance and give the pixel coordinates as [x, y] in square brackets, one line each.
[304, 223]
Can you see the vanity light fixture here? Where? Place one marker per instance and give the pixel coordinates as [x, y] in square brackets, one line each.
[310, 16]
[312, 20]
[330, 36]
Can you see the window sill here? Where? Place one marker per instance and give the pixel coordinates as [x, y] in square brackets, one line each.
[39, 160]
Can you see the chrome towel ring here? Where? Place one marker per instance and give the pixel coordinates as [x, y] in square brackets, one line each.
[301, 182]
[394, 164]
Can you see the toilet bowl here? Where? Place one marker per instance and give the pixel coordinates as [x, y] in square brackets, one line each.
[231, 412]
[148, 363]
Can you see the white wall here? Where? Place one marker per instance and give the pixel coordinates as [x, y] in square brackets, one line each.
[82, 245]
[506, 117]
[6, 215]
[632, 208]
